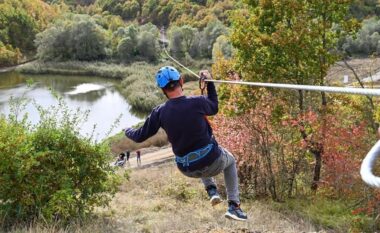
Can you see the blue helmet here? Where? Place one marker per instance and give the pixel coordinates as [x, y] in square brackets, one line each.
[165, 75]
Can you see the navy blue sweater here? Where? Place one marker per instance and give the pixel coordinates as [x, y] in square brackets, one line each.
[183, 120]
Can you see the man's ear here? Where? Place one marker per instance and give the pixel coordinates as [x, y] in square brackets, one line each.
[163, 91]
[181, 81]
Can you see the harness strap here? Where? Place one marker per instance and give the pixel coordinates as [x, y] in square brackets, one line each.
[200, 153]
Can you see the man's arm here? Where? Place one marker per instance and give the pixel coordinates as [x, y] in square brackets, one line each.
[150, 128]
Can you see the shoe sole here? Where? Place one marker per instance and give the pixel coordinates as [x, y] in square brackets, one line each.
[233, 217]
[215, 200]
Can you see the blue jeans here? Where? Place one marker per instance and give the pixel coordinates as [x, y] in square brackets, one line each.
[226, 163]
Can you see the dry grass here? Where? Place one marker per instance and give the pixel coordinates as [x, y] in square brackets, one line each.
[161, 199]
[95, 225]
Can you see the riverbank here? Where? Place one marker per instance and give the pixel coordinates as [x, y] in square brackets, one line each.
[101, 69]
[138, 84]
[12, 68]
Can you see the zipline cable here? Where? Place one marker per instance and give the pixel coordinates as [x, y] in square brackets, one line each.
[368, 162]
[342, 90]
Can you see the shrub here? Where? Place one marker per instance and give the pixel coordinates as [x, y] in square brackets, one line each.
[366, 42]
[144, 95]
[49, 171]
[180, 190]
[275, 159]
[8, 55]
[140, 88]
[265, 169]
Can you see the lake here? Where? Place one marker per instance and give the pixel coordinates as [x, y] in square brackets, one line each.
[98, 95]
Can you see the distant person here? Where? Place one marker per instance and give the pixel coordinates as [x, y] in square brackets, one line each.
[120, 160]
[138, 156]
[128, 153]
[197, 153]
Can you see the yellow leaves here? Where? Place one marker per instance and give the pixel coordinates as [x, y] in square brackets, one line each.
[40, 11]
[265, 39]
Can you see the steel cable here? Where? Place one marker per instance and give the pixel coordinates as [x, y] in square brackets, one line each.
[368, 162]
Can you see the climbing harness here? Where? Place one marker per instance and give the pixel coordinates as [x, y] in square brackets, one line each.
[193, 156]
[368, 162]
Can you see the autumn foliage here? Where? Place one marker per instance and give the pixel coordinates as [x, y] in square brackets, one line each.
[274, 159]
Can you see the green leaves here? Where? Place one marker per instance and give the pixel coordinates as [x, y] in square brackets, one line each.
[49, 170]
[77, 37]
[289, 41]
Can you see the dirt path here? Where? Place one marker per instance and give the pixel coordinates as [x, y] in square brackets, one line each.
[152, 158]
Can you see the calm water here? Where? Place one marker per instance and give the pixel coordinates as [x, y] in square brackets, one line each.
[98, 95]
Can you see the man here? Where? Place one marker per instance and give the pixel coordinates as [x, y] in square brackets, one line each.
[128, 155]
[138, 156]
[120, 160]
[197, 152]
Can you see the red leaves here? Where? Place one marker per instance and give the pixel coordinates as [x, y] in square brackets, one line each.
[275, 149]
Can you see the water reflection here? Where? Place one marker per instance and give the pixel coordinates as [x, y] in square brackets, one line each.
[88, 97]
[85, 88]
[98, 95]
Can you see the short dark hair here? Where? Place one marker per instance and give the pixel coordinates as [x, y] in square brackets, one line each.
[171, 85]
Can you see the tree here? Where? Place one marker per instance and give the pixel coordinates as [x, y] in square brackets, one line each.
[76, 37]
[361, 9]
[85, 2]
[293, 42]
[176, 45]
[8, 55]
[58, 175]
[147, 45]
[209, 35]
[17, 28]
[366, 42]
[88, 41]
[194, 50]
[130, 10]
[126, 49]
[132, 32]
[136, 42]
[188, 34]
[223, 46]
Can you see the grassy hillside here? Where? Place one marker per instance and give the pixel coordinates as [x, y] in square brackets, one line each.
[160, 199]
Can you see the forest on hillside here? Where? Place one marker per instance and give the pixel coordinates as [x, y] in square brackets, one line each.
[116, 28]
